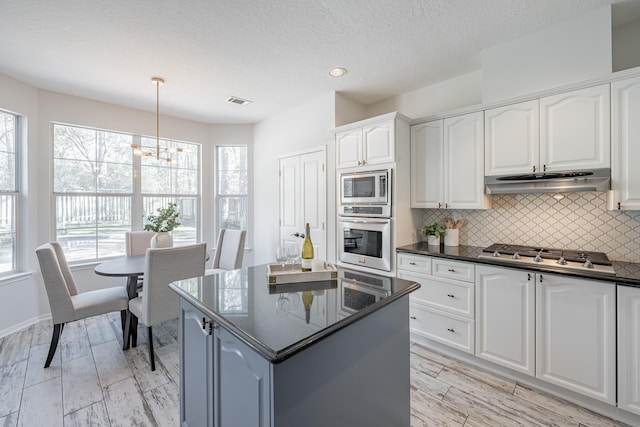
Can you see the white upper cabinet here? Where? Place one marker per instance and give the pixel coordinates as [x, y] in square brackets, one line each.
[447, 163]
[464, 162]
[369, 145]
[575, 130]
[512, 139]
[625, 144]
[567, 131]
[427, 165]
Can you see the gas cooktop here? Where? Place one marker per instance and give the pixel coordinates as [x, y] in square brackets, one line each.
[558, 258]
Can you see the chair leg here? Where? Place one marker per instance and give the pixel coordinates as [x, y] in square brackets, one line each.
[134, 331]
[57, 329]
[123, 318]
[126, 330]
[152, 359]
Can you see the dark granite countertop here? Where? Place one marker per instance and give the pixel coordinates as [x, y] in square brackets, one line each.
[627, 273]
[272, 318]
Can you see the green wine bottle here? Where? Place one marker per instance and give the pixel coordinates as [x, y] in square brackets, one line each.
[307, 250]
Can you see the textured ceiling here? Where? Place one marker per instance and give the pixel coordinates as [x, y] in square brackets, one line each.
[273, 52]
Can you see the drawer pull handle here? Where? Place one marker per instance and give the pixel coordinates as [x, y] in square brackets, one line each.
[412, 263]
[450, 330]
[451, 270]
[413, 317]
[450, 295]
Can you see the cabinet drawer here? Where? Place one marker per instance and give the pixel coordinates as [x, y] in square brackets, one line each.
[453, 269]
[452, 296]
[447, 329]
[416, 263]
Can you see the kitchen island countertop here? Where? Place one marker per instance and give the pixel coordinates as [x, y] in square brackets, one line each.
[627, 273]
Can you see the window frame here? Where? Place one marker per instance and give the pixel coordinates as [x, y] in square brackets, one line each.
[136, 196]
[217, 197]
[16, 262]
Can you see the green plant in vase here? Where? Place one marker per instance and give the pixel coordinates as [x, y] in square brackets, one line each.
[162, 223]
[433, 233]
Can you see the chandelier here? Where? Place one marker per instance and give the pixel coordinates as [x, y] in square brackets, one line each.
[160, 153]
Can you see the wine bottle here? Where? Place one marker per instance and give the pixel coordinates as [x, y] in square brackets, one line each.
[307, 250]
[307, 300]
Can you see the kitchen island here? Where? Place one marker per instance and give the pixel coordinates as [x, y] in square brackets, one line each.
[319, 353]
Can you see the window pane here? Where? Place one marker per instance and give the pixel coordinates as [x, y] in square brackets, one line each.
[90, 227]
[180, 176]
[7, 152]
[186, 233]
[7, 233]
[232, 212]
[88, 160]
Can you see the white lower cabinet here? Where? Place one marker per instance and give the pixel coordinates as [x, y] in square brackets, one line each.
[505, 317]
[443, 309]
[576, 335]
[629, 348]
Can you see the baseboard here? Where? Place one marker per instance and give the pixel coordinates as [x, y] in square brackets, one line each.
[25, 324]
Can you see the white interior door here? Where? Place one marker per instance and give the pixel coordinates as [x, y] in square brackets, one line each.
[303, 199]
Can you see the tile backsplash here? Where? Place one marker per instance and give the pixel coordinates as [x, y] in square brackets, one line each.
[577, 221]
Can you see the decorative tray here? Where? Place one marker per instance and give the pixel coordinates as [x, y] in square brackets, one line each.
[292, 273]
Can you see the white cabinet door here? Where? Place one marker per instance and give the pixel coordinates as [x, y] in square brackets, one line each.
[625, 144]
[512, 139]
[378, 143]
[576, 335]
[629, 349]
[303, 199]
[575, 130]
[505, 317]
[349, 148]
[464, 162]
[427, 162]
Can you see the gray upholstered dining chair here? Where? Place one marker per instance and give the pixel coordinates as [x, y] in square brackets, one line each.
[229, 250]
[65, 302]
[158, 303]
[137, 242]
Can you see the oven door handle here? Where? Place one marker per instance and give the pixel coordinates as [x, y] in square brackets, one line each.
[363, 221]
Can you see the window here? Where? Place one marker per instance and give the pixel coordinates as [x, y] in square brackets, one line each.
[95, 182]
[232, 187]
[9, 125]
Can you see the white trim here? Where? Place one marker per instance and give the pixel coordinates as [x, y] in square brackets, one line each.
[16, 277]
[25, 324]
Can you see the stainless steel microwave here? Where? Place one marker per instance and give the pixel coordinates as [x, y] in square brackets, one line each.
[368, 187]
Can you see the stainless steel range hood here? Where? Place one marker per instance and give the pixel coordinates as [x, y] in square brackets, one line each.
[549, 182]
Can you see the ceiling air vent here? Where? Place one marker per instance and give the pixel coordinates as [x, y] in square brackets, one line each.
[239, 101]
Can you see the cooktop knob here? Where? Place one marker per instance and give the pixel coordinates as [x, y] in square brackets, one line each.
[516, 256]
[562, 261]
[588, 264]
[495, 254]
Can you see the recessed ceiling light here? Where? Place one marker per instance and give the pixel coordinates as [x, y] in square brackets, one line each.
[239, 101]
[337, 72]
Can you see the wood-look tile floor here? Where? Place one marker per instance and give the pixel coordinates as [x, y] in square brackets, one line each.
[92, 382]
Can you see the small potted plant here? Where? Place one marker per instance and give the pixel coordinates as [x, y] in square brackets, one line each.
[165, 221]
[433, 233]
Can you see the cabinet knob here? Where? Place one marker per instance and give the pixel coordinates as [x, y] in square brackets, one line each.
[412, 317]
[451, 270]
[618, 205]
[450, 295]
[544, 168]
[439, 205]
[450, 330]
[528, 277]
[446, 205]
[541, 278]
[534, 169]
[412, 263]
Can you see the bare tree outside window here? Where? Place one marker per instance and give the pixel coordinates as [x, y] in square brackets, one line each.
[8, 191]
[232, 187]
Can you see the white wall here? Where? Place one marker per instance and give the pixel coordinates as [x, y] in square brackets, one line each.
[570, 52]
[304, 127]
[626, 47]
[458, 92]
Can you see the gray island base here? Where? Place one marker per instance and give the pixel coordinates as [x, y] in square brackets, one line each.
[254, 366]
